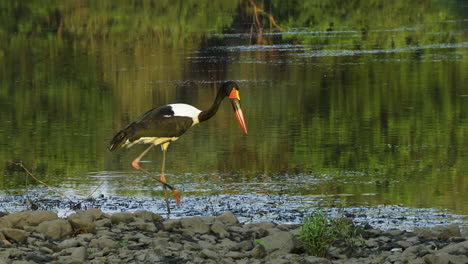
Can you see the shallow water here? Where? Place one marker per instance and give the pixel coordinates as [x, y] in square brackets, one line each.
[281, 209]
[368, 114]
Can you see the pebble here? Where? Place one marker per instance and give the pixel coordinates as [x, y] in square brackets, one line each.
[90, 236]
[206, 253]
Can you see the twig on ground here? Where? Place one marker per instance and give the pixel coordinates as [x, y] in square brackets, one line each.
[43, 183]
[89, 196]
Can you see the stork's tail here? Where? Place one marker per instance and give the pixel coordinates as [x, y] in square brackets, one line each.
[121, 137]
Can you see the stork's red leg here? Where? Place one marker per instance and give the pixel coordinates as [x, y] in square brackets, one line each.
[163, 166]
[137, 160]
[162, 179]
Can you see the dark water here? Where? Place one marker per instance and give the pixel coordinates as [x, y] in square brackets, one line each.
[355, 106]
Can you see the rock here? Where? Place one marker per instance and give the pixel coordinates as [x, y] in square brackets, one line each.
[46, 250]
[392, 232]
[104, 242]
[207, 244]
[11, 253]
[227, 218]
[159, 245]
[177, 247]
[413, 239]
[424, 232]
[74, 255]
[235, 255]
[95, 213]
[123, 217]
[137, 246]
[395, 257]
[259, 252]
[208, 219]
[14, 235]
[282, 241]
[209, 238]
[446, 232]
[30, 229]
[237, 229]
[79, 254]
[144, 226]
[55, 229]
[68, 243]
[415, 249]
[219, 229]
[191, 246]
[436, 259]
[84, 215]
[30, 218]
[194, 225]
[82, 225]
[404, 244]
[336, 253]
[103, 223]
[260, 225]
[370, 233]
[244, 245]
[5, 223]
[142, 237]
[83, 239]
[209, 254]
[3, 240]
[371, 243]
[456, 249]
[441, 232]
[35, 257]
[317, 260]
[170, 225]
[227, 245]
[458, 259]
[384, 239]
[148, 216]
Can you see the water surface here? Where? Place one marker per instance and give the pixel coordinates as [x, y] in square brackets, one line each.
[367, 110]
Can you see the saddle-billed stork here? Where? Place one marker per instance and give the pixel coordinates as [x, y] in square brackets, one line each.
[161, 126]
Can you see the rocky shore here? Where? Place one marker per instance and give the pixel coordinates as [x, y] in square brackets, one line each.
[91, 236]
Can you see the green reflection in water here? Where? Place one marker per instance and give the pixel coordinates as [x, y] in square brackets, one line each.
[338, 103]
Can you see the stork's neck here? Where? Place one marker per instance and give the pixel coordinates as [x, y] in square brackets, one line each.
[205, 115]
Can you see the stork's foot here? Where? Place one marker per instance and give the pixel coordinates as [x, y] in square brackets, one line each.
[176, 194]
[162, 178]
[135, 164]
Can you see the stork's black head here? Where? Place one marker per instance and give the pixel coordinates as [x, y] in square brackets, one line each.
[231, 90]
[228, 87]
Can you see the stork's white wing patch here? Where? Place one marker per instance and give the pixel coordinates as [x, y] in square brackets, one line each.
[186, 110]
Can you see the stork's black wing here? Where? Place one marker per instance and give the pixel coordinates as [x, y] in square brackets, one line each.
[157, 122]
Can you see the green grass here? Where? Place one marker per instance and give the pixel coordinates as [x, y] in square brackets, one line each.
[319, 231]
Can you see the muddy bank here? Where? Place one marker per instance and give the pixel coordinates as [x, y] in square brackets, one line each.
[91, 236]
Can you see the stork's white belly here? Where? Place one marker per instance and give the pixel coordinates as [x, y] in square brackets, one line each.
[149, 140]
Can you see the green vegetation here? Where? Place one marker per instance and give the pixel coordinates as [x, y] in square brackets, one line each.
[169, 23]
[319, 232]
[261, 242]
[365, 21]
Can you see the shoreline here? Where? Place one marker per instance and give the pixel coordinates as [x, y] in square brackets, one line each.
[91, 236]
[250, 208]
